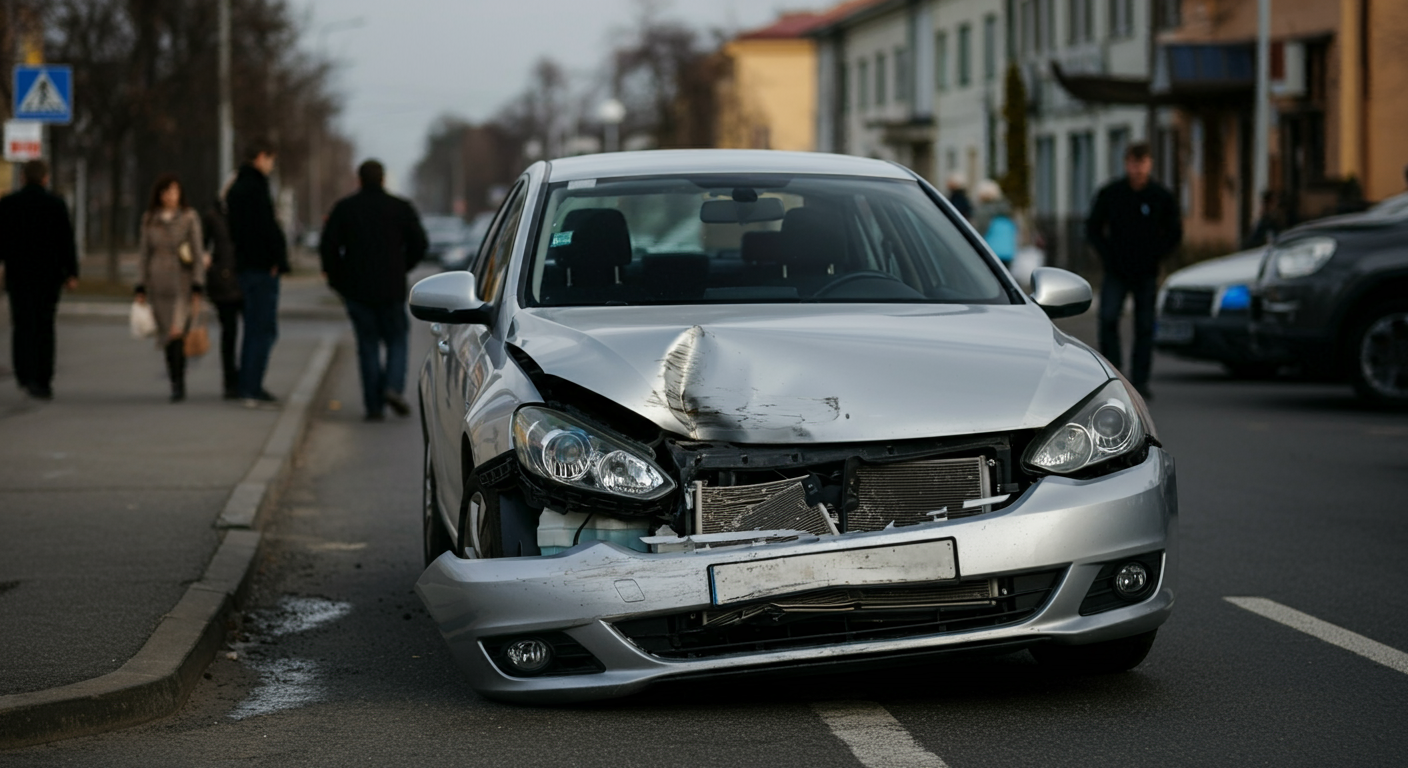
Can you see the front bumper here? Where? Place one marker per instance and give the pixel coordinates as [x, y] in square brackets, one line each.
[1059, 523]
[1224, 339]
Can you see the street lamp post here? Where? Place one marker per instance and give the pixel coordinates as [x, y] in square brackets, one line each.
[611, 113]
[227, 110]
[1260, 161]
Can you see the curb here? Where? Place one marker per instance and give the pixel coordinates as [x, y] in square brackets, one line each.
[156, 681]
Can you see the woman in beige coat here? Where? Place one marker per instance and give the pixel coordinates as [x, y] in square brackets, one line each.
[173, 273]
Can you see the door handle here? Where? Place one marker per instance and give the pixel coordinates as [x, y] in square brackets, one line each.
[443, 346]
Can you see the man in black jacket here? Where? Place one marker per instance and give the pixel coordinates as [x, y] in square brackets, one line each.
[40, 257]
[261, 256]
[1133, 225]
[371, 240]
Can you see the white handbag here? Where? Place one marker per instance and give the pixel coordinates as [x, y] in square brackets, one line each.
[142, 320]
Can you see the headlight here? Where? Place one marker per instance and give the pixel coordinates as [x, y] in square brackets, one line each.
[1106, 425]
[1302, 257]
[556, 446]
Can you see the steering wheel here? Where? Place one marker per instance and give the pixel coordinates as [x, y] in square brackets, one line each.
[854, 277]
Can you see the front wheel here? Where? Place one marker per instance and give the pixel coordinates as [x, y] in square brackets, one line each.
[1379, 344]
[1110, 656]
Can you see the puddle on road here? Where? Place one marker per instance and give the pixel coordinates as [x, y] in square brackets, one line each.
[284, 683]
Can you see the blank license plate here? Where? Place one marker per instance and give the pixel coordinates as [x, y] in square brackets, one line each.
[1174, 331]
[896, 564]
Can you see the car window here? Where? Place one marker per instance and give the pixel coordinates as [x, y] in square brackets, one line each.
[494, 259]
[759, 238]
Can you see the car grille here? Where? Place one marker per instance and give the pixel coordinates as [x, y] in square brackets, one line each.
[906, 493]
[839, 616]
[1188, 302]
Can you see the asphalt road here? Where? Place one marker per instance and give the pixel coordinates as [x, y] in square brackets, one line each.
[1289, 491]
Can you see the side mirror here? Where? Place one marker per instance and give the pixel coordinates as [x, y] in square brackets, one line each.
[1060, 293]
[448, 298]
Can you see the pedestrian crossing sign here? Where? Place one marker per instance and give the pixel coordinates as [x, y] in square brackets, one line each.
[44, 93]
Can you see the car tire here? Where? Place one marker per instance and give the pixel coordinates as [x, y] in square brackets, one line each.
[1378, 351]
[435, 538]
[1108, 657]
[479, 535]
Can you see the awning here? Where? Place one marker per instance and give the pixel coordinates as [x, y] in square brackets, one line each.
[1188, 75]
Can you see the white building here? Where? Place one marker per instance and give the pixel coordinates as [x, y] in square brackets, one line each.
[921, 82]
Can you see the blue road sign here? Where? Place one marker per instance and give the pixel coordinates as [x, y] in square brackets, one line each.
[44, 93]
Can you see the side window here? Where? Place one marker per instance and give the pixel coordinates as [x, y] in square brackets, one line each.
[493, 261]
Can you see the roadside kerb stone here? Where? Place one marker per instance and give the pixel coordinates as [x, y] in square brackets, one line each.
[156, 681]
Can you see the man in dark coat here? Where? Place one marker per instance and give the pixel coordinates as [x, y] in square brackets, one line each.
[371, 240]
[261, 256]
[222, 287]
[1133, 225]
[40, 257]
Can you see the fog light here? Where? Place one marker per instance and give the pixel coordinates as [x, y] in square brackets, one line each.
[529, 656]
[1131, 579]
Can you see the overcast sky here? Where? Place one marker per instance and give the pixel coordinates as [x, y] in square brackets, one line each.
[409, 61]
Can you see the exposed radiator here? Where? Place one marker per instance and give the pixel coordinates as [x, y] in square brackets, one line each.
[780, 505]
[869, 599]
[905, 493]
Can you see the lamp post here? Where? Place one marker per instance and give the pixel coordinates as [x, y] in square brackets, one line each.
[611, 113]
[1260, 161]
[227, 110]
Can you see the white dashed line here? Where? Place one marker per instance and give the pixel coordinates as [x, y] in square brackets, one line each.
[1372, 650]
[874, 736]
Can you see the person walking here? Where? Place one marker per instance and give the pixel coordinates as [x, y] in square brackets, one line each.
[957, 185]
[40, 258]
[222, 288]
[173, 273]
[993, 220]
[261, 256]
[369, 243]
[1133, 225]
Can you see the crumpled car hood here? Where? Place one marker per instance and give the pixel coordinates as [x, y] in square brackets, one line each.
[817, 373]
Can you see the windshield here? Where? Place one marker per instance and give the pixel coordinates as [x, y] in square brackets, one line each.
[756, 238]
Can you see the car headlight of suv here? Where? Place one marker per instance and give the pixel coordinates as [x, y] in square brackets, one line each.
[560, 448]
[1302, 257]
[1107, 424]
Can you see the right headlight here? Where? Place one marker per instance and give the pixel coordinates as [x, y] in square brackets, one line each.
[1302, 257]
[560, 448]
[1108, 424]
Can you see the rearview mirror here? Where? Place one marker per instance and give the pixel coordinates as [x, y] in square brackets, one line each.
[1060, 293]
[448, 298]
[734, 212]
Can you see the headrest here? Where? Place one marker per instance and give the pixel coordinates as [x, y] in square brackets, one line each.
[761, 247]
[811, 237]
[599, 240]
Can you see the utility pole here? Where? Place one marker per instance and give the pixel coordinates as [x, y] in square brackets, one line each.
[227, 109]
[1261, 139]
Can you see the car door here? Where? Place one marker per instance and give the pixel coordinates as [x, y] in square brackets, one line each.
[463, 347]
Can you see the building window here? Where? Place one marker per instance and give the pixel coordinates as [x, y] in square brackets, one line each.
[902, 78]
[1045, 175]
[880, 76]
[843, 87]
[1118, 143]
[1028, 26]
[965, 55]
[1081, 22]
[1121, 18]
[1168, 14]
[1048, 24]
[941, 61]
[862, 85]
[1010, 13]
[1082, 171]
[990, 48]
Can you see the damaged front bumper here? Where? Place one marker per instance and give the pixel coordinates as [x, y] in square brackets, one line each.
[623, 620]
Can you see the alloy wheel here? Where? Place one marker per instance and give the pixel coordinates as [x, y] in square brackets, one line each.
[1383, 356]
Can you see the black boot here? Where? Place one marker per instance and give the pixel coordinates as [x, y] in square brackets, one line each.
[176, 368]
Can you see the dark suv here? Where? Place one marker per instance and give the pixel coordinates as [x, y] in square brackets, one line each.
[1332, 297]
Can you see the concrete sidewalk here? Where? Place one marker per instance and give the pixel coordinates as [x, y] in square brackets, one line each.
[110, 494]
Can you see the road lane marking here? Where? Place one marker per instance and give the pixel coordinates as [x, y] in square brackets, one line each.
[1372, 650]
[874, 736]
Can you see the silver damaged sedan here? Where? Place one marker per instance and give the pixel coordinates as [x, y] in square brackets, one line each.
[701, 413]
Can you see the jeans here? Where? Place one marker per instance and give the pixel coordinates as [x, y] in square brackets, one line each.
[229, 314]
[1112, 294]
[32, 335]
[261, 329]
[377, 325]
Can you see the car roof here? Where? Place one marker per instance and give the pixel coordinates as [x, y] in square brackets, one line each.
[669, 162]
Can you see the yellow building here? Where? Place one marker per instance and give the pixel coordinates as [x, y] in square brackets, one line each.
[767, 94]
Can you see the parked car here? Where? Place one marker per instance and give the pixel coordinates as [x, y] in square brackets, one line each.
[828, 430]
[444, 234]
[1332, 298]
[1204, 313]
[459, 255]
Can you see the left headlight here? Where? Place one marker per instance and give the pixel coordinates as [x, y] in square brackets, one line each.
[1302, 257]
[560, 448]
[1106, 425]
